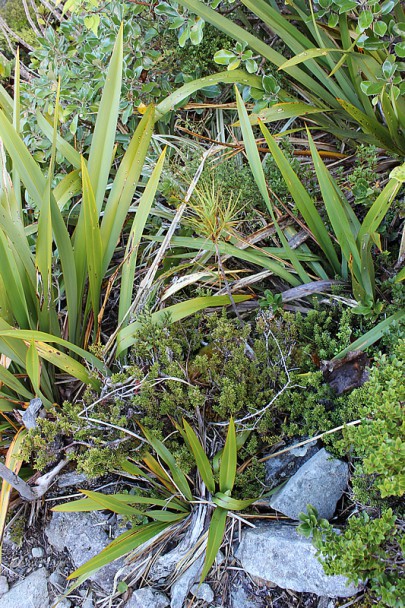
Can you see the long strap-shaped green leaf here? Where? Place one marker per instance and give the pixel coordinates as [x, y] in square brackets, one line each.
[379, 208]
[29, 171]
[371, 126]
[371, 336]
[93, 242]
[124, 185]
[255, 164]
[102, 143]
[126, 542]
[40, 336]
[304, 202]
[215, 536]
[234, 76]
[101, 153]
[336, 212]
[135, 235]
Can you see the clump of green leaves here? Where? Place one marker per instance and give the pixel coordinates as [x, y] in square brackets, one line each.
[367, 550]
[173, 497]
[379, 442]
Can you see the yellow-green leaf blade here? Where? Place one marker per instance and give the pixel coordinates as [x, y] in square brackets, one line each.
[201, 460]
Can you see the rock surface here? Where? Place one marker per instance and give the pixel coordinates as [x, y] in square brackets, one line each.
[82, 534]
[203, 592]
[281, 467]
[278, 553]
[147, 598]
[3, 585]
[32, 592]
[320, 482]
[183, 584]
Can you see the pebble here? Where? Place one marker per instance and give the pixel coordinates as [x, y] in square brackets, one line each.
[57, 580]
[37, 552]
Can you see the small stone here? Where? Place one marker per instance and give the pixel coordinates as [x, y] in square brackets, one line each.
[37, 552]
[88, 602]
[147, 598]
[57, 580]
[320, 482]
[71, 479]
[278, 553]
[63, 603]
[32, 592]
[203, 592]
[281, 467]
[3, 585]
[181, 587]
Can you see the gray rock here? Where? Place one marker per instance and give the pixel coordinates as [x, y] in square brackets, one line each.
[62, 603]
[242, 598]
[37, 552]
[33, 411]
[183, 584]
[88, 602]
[57, 580]
[282, 467]
[3, 585]
[278, 553]
[203, 592]
[320, 482]
[71, 479]
[147, 598]
[83, 535]
[32, 592]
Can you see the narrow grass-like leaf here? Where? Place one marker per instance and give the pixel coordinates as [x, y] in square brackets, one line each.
[7, 378]
[201, 460]
[215, 536]
[156, 468]
[371, 126]
[265, 258]
[227, 502]
[175, 313]
[371, 336]
[87, 504]
[28, 170]
[379, 208]
[242, 35]
[6, 103]
[11, 279]
[68, 187]
[309, 54]
[111, 503]
[66, 363]
[304, 202]
[33, 367]
[40, 336]
[135, 235]
[227, 470]
[255, 164]
[336, 211]
[126, 542]
[282, 111]
[93, 242]
[124, 185]
[181, 94]
[102, 143]
[178, 476]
